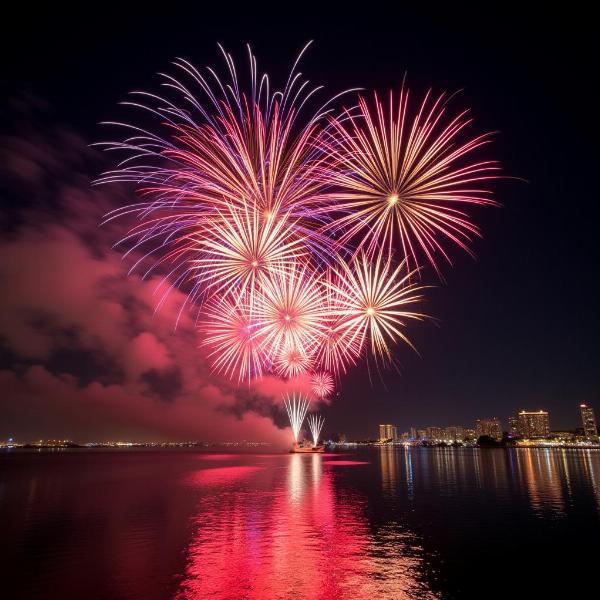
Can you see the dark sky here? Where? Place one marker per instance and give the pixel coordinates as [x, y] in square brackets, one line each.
[519, 326]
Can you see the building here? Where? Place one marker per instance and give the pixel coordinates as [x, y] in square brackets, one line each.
[566, 437]
[490, 427]
[588, 418]
[387, 432]
[469, 435]
[434, 434]
[533, 424]
[455, 433]
[421, 434]
[413, 434]
[513, 426]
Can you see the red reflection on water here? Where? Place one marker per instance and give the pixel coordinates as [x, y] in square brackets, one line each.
[345, 463]
[222, 475]
[286, 533]
[216, 457]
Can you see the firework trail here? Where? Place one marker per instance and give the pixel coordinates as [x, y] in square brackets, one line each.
[297, 407]
[315, 423]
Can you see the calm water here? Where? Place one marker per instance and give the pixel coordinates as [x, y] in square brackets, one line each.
[376, 523]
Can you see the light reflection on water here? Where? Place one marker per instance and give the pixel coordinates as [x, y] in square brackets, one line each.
[294, 536]
[374, 523]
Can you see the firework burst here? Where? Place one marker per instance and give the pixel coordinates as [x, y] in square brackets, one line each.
[322, 384]
[237, 167]
[295, 231]
[373, 301]
[229, 336]
[238, 248]
[406, 180]
[289, 311]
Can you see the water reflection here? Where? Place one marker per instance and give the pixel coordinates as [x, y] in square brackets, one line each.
[377, 523]
[550, 479]
[289, 533]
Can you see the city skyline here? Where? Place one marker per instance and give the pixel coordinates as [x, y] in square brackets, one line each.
[524, 423]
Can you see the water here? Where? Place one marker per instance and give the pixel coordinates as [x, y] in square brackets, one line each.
[375, 523]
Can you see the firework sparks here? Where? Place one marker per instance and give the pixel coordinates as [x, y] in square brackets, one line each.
[292, 361]
[230, 337]
[315, 423]
[239, 166]
[297, 407]
[289, 311]
[239, 247]
[373, 298]
[296, 232]
[406, 177]
[322, 384]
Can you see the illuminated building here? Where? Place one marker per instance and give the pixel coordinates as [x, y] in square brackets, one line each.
[454, 433]
[434, 434]
[413, 434]
[470, 435]
[513, 426]
[490, 427]
[533, 424]
[588, 418]
[387, 432]
[421, 434]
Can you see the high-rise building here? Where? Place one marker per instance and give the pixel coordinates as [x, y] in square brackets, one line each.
[513, 426]
[534, 424]
[588, 418]
[387, 432]
[413, 434]
[490, 427]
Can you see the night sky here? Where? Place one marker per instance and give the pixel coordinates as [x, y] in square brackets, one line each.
[517, 328]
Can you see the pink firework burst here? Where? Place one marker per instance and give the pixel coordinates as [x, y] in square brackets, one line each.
[322, 384]
[230, 337]
[290, 311]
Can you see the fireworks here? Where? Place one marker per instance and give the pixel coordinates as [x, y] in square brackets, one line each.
[297, 231]
[406, 181]
[315, 423]
[373, 297]
[322, 384]
[229, 336]
[289, 311]
[297, 407]
[238, 248]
